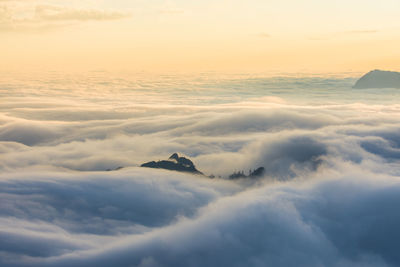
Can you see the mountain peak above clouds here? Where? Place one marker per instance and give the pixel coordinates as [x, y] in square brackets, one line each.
[174, 163]
[182, 164]
[379, 79]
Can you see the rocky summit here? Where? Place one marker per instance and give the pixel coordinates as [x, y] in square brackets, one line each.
[173, 163]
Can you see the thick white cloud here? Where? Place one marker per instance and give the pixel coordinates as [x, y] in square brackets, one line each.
[329, 196]
[129, 219]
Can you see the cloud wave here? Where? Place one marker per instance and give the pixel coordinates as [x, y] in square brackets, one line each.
[329, 196]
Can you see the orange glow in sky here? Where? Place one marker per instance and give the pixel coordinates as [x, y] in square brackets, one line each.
[225, 35]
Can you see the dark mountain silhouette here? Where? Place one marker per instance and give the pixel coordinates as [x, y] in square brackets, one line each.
[182, 164]
[115, 169]
[379, 79]
[258, 172]
[252, 174]
[174, 163]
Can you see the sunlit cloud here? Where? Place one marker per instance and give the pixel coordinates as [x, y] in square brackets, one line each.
[55, 13]
[264, 35]
[36, 17]
[343, 34]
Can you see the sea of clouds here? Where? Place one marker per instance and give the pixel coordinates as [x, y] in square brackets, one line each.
[330, 194]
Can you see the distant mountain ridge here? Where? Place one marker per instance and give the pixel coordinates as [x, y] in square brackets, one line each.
[379, 79]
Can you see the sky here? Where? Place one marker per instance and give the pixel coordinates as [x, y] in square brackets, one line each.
[185, 36]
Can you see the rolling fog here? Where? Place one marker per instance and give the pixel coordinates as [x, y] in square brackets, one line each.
[329, 197]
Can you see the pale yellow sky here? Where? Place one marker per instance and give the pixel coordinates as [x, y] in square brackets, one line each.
[226, 35]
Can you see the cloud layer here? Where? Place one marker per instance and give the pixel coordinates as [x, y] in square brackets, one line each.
[329, 196]
[131, 219]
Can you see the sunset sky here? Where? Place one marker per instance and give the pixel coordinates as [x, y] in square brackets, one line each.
[223, 35]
